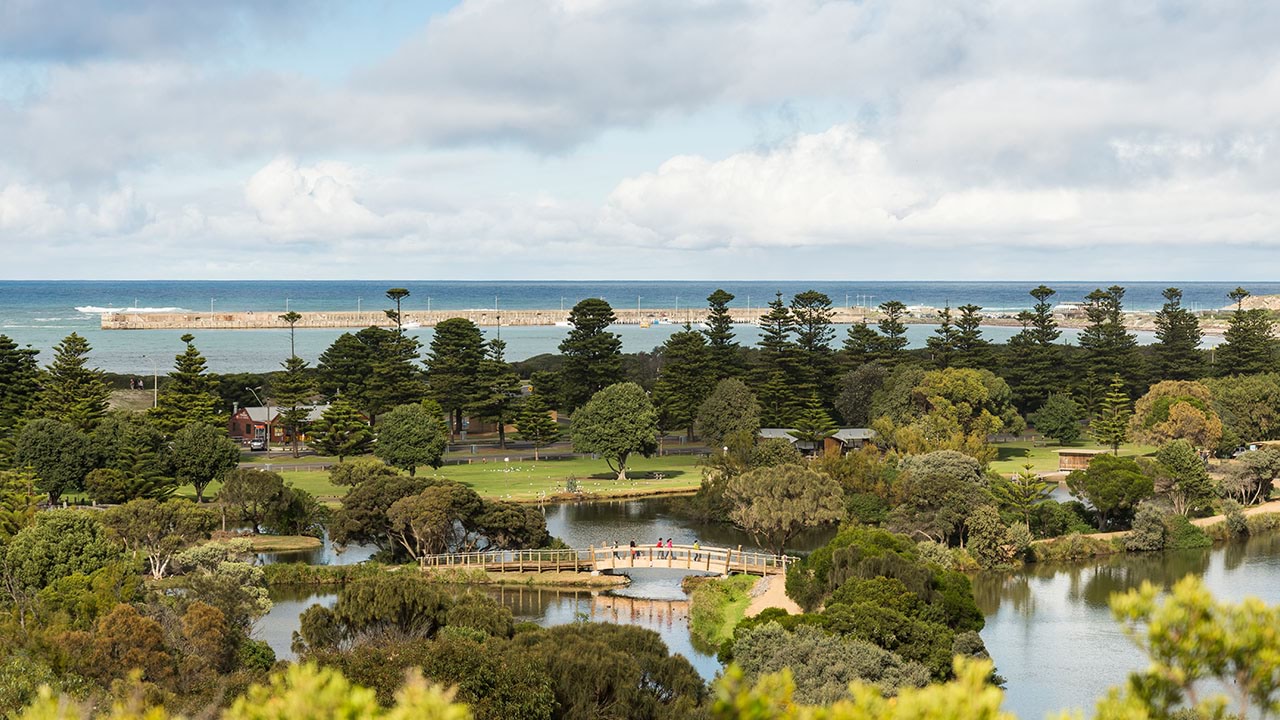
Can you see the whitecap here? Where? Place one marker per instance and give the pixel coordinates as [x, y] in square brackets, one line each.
[96, 310]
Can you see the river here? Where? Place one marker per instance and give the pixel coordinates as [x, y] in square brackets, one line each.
[1049, 627]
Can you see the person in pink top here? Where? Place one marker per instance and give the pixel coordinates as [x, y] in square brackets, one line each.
[670, 550]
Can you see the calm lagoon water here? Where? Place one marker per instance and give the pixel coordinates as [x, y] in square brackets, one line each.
[1049, 627]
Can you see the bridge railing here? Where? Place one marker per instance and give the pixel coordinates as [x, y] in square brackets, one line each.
[688, 557]
[568, 559]
[678, 557]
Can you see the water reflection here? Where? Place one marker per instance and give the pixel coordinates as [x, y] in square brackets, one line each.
[326, 554]
[1049, 627]
[653, 600]
[606, 521]
[544, 606]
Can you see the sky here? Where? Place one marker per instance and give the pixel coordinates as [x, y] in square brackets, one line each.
[640, 139]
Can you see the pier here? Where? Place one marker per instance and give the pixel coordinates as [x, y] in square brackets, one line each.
[270, 320]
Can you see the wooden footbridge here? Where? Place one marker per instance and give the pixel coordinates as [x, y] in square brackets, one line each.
[722, 561]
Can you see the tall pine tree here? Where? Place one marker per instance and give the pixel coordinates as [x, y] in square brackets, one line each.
[592, 354]
[893, 331]
[497, 390]
[188, 396]
[861, 345]
[374, 369]
[341, 431]
[972, 350]
[19, 389]
[71, 392]
[1176, 353]
[1250, 345]
[725, 352]
[1110, 349]
[814, 370]
[778, 354]
[292, 390]
[1034, 366]
[1111, 425]
[944, 342]
[453, 361]
[535, 425]
[685, 380]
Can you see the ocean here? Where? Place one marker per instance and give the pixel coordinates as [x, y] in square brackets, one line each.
[40, 313]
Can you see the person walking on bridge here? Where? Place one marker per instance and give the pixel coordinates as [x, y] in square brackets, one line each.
[633, 549]
[697, 550]
[615, 550]
[671, 553]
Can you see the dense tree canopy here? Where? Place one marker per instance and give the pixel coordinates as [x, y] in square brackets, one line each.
[618, 422]
[410, 436]
[775, 504]
[730, 409]
[59, 455]
[1113, 485]
[201, 454]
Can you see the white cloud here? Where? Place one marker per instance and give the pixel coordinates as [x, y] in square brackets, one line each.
[841, 188]
[295, 201]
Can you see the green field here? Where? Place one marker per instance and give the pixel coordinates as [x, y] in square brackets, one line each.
[1044, 458]
[531, 480]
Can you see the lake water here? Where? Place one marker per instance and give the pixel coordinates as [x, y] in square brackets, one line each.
[1050, 631]
[1049, 627]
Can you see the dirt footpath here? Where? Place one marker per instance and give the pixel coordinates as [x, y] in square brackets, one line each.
[771, 591]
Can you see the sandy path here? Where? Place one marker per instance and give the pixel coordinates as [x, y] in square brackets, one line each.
[771, 591]
[1264, 508]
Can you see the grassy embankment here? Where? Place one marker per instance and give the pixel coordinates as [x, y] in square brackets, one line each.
[282, 543]
[531, 481]
[716, 607]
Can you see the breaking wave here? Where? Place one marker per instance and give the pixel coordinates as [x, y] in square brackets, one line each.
[95, 310]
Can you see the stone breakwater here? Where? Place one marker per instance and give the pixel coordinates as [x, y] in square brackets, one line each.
[251, 320]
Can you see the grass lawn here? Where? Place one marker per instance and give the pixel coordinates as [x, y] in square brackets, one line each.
[531, 480]
[1012, 456]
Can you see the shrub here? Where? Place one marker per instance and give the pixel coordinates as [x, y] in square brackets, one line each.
[1148, 533]
[1236, 523]
[1180, 534]
[1071, 547]
[936, 553]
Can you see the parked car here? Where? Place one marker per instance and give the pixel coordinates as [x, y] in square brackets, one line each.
[258, 444]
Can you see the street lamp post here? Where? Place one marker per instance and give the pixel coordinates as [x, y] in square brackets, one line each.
[268, 407]
[155, 381]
